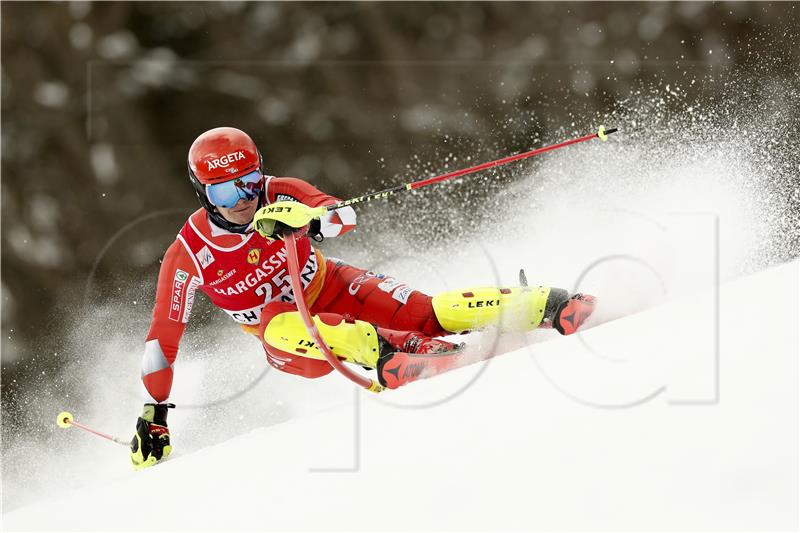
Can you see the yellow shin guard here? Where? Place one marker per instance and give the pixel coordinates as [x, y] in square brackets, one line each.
[514, 308]
[356, 342]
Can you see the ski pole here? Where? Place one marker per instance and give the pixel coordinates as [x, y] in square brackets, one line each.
[65, 420]
[289, 214]
[296, 216]
[601, 134]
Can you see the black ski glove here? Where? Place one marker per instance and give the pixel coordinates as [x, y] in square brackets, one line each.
[151, 444]
[312, 230]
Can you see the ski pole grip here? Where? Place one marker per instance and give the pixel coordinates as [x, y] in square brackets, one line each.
[603, 133]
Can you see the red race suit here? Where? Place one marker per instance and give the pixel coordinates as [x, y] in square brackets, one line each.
[246, 276]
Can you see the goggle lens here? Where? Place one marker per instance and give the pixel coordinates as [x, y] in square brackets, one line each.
[228, 193]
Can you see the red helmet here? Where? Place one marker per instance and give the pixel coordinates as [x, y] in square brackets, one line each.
[218, 155]
[222, 154]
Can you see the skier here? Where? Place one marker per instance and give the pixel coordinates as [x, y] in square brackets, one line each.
[368, 319]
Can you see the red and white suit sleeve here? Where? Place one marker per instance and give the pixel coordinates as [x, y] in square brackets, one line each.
[178, 280]
[333, 223]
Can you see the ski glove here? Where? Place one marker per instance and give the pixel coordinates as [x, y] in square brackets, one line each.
[312, 229]
[273, 220]
[151, 444]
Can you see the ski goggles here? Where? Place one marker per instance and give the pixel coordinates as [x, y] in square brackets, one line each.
[228, 193]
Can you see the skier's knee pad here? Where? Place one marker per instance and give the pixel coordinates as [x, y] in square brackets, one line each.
[356, 342]
[514, 308]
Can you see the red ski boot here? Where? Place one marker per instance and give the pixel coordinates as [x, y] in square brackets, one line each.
[573, 312]
[410, 355]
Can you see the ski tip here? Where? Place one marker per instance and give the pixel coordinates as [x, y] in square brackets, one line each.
[64, 419]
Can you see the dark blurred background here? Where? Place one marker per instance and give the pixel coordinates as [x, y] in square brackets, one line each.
[100, 102]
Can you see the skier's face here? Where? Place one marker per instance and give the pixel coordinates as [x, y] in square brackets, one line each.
[241, 213]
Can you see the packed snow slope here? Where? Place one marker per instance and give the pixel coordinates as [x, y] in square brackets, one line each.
[681, 416]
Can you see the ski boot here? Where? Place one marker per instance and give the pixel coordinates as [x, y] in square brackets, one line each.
[410, 355]
[566, 313]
